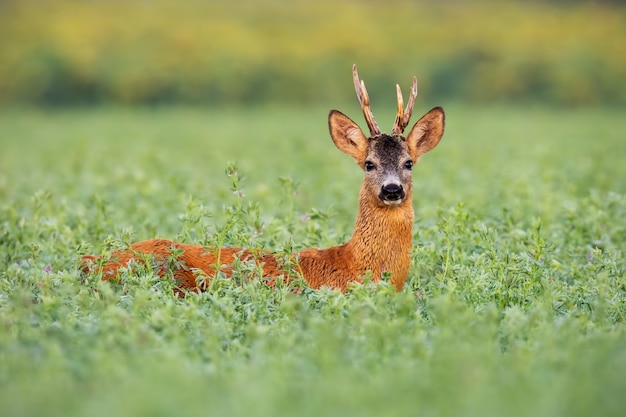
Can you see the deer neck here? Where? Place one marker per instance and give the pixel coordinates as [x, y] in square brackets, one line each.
[383, 237]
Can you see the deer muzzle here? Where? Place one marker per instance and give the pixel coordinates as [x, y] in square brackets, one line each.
[392, 194]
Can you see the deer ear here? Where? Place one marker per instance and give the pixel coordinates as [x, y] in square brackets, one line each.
[347, 135]
[426, 133]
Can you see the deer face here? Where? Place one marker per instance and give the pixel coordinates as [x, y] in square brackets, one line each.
[387, 168]
[387, 159]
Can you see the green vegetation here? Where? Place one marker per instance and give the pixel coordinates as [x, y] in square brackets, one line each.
[515, 304]
[134, 51]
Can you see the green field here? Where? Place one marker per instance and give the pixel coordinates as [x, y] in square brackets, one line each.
[515, 304]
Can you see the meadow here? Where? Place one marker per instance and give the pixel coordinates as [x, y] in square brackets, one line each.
[515, 303]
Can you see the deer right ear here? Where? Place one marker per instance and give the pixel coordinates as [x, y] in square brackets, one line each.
[347, 135]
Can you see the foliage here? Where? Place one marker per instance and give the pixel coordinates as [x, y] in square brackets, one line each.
[77, 51]
[515, 303]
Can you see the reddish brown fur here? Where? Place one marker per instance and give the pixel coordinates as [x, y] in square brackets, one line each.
[368, 250]
[381, 242]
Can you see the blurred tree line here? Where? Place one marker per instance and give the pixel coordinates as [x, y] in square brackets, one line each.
[251, 51]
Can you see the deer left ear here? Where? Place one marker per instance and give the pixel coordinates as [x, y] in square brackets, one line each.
[347, 135]
[426, 133]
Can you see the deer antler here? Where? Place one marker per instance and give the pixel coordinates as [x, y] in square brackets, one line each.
[404, 115]
[364, 100]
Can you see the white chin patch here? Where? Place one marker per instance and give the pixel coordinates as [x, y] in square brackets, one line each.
[393, 202]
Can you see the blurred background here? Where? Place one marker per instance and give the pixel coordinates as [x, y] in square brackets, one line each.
[137, 52]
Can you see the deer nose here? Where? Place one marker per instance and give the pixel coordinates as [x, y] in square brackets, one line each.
[392, 192]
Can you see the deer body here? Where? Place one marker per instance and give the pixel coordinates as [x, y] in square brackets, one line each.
[383, 233]
[382, 242]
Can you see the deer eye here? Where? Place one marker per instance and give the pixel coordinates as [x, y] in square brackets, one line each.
[408, 164]
[369, 166]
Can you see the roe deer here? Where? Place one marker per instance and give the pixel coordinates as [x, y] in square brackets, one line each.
[382, 238]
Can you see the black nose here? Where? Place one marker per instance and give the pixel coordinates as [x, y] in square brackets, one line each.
[392, 192]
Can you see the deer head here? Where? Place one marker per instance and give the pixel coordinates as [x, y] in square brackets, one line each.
[386, 159]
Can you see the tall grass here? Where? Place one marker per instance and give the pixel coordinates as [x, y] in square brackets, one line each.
[515, 302]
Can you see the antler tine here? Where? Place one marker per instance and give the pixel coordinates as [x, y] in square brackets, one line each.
[404, 115]
[409, 107]
[398, 127]
[364, 101]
